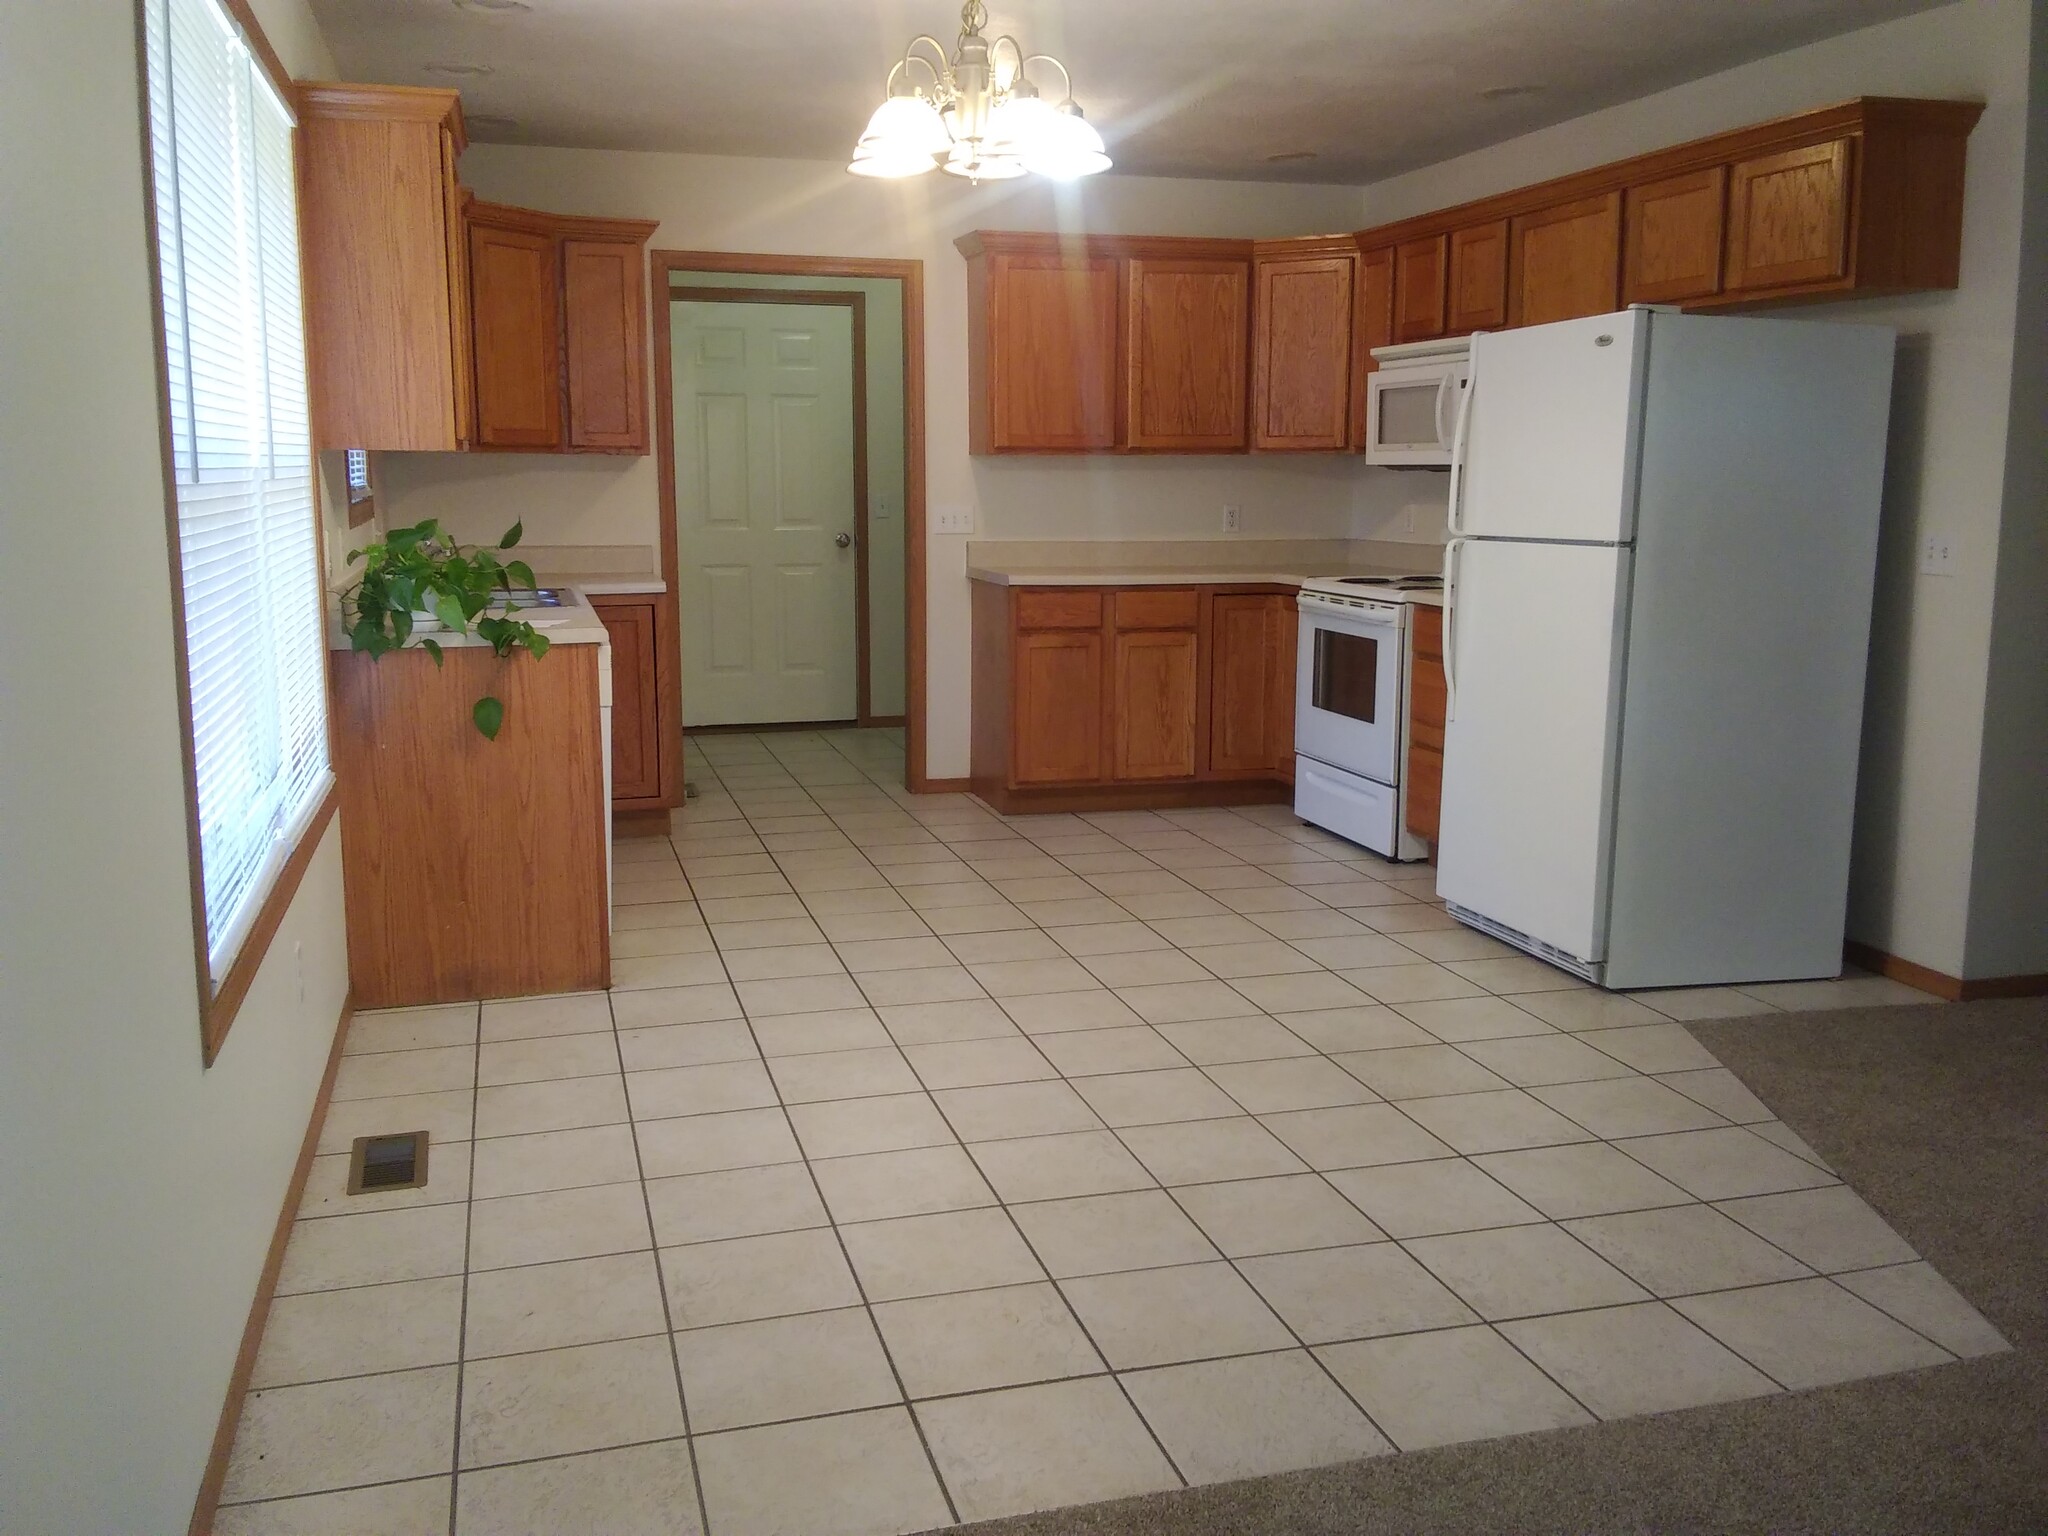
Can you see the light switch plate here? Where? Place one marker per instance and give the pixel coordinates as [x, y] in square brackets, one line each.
[1938, 555]
[948, 519]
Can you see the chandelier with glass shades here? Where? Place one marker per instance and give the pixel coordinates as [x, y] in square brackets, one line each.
[980, 116]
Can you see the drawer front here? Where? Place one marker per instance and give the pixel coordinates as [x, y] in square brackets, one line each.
[1058, 608]
[1156, 608]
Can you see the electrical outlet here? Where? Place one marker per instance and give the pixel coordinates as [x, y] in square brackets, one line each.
[1233, 519]
[1938, 555]
[952, 520]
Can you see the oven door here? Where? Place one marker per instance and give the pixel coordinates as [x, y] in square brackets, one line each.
[1347, 703]
[1411, 413]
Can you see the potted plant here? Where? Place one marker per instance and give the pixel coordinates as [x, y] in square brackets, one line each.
[419, 579]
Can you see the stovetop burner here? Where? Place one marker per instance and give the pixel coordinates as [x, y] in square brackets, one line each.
[1395, 583]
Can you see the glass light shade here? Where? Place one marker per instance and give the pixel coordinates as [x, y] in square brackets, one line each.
[889, 163]
[904, 125]
[1020, 124]
[1065, 148]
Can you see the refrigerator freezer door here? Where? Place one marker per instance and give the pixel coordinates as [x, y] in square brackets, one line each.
[1550, 439]
[1529, 747]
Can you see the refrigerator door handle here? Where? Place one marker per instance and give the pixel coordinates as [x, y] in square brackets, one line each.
[1458, 436]
[1450, 627]
[1443, 387]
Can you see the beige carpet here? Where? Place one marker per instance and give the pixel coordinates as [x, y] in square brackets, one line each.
[1939, 1117]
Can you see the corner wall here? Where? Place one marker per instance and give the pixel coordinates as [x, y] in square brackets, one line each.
[142, 1188]
[1912, 889]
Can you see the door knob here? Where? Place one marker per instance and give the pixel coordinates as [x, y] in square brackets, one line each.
[844, 540]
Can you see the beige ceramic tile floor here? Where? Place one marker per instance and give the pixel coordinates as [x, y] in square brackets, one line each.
[925, 1166]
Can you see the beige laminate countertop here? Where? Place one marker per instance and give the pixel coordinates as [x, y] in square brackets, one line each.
[1141, 563]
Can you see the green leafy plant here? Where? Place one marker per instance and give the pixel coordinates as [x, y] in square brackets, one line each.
[421, 570]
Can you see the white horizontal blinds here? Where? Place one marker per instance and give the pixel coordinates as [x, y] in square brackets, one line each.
[227, 226]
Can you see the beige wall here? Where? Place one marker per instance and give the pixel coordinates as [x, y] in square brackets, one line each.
[142, 1189]
[2009, 888]
[811, 208]
[1917, 821]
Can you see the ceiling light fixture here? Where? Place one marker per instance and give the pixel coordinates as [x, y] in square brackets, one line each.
[980, 117]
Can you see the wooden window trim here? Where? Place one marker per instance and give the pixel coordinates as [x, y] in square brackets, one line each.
[219, 1005]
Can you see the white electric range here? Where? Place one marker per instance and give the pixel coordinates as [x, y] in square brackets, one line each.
[1351, 708]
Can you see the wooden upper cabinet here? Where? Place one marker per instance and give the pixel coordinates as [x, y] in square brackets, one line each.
[1057, 707]
[1301, 351]
[1565, 262]
[1788, 217]
[1185, 343]
[1042, 351]
[515, 293]
[383, 258]
[604, 327]
[1672, 248]
[1374, 308]
[1478, 289]
[1419, 277]
[560, 331]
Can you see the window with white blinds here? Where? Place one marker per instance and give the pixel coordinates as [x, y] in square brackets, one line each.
[248, 552]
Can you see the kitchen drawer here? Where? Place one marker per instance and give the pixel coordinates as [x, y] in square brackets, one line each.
[1058, 608]
[1156, 608]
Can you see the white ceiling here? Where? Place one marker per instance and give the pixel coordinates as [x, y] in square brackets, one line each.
[1200, 88]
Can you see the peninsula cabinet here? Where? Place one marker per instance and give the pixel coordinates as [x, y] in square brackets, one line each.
[471, 868]
[1304, 345]
[1106, 697]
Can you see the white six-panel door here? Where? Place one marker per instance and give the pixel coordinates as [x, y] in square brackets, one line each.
[765, 489]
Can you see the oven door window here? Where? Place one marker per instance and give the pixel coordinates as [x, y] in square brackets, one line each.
[1347, 671]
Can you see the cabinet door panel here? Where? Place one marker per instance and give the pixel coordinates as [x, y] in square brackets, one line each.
[1565, 262]
[604, 322]
[514, 292]
[1426, 706]
[1419, 275]
[1053, 351]
[1186, 346]
[1301, 388]
[636, 736]
[1375, 313]
[1479, 278]
[1674, 238]
[1056, 732]
[1155, 704]
[1788, 217]
[1251, 683]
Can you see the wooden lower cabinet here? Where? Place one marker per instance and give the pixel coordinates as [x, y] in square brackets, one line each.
[633, 623]
[1095, 698]
[471, 868]
[1251, 684]
[1155, 704]
[1426, 707]
[1057, 707]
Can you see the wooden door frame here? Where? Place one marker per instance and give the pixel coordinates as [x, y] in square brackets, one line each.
[857, 303]
[910, 274]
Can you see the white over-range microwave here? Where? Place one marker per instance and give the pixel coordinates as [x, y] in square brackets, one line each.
[1412, 402]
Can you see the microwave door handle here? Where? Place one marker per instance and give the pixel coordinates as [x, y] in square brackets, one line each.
[1443, 389]
[1450, 627]
[1459, 438]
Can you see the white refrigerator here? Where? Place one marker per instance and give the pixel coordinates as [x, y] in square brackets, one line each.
[1658, 588]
